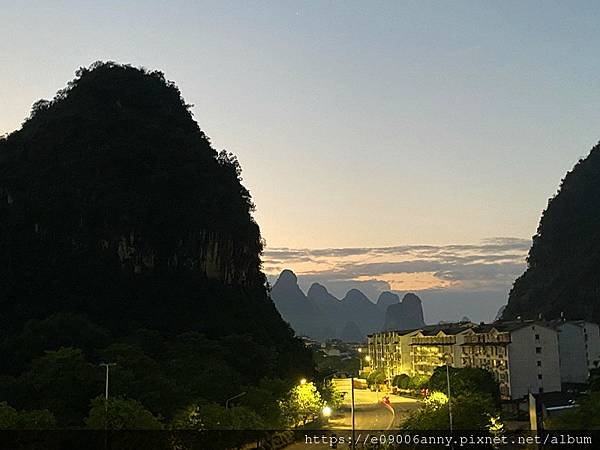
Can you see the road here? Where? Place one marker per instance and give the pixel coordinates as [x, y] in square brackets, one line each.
[369, 412]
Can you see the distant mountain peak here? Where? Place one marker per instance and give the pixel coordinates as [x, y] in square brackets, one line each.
[355, 294]
[287, 277]
[386, 299]
[317, 289]
[405, 315]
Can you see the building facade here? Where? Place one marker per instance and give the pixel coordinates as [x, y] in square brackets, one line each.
[523, 356]
[575, 366]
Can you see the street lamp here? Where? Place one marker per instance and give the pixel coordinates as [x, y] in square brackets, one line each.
[233, 398]
[107, 366]
[303, 381]
[326, 411]
[447, 358]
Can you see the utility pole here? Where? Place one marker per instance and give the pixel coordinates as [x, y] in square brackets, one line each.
[449, 398]
[352, 396]
[107, 366]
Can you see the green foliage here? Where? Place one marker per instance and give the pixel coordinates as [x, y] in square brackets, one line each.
[585, 416]
[465, 381]
[302, 403]
[63, 382]
[376, 377]
[211, 416]
[418, 382]
[331, 395]
[120, 414]
[11, 419]
[125, 237]
[469, 412]
[401, 381]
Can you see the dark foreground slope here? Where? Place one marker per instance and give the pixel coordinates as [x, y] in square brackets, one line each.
[563, 262]
[123, 232]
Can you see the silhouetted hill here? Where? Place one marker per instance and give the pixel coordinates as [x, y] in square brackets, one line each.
[562, 273]
[320, 315]
[330, 307]
[362, 311]
[386, 299]
[405, 315]
[118, 219]
[305, 317]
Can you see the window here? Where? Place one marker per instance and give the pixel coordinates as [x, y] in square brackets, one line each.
[541, 390]
[539, 364]
[538, 349]
[539, 376]
[537, 337]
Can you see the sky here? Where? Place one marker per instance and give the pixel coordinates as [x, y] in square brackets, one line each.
[359, 125]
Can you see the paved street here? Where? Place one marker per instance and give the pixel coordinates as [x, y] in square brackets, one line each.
[370, 413]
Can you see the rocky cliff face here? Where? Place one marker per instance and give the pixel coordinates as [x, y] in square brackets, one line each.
[405, 315]
[113, 204]
[562, 273]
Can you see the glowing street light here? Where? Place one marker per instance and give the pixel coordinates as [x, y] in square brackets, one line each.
[326, 411]
[303, 381]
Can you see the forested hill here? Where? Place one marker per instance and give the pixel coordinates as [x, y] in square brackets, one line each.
[563, 265]
[121, 225]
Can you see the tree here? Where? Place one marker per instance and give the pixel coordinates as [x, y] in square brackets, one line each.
[120, 414]
[472, 412]
[11, 419]
[465, 381]
[585, 416]
[417, 382]
[376, 377]
[137, 375]
[265, 398]
[63, 382]
[401, 381]
[302, 403]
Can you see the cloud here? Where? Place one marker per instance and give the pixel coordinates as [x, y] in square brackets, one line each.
[489, 267]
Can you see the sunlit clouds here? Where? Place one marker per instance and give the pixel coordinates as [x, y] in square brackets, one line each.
[490, 265]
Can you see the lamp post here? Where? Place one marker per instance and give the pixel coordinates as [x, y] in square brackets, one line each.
[447, 357]
[233, 398]
[107, 366]
[352, 409]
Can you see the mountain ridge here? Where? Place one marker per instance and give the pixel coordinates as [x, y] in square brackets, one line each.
[348, 318]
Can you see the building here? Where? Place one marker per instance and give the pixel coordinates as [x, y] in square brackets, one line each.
[437, 345]
[523, 356]
[390, 352]
[579, 347]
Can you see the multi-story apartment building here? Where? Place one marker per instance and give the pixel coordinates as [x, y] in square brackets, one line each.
[437, 345]
[575, 366]
[390, 352]
[522, 355]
